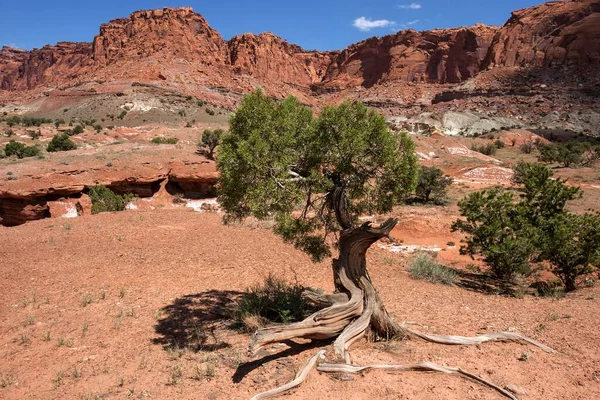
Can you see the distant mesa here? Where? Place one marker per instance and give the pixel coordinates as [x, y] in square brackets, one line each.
[153, 46]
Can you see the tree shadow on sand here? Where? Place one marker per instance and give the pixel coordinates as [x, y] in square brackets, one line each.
[191, 321]
[482, 283]
[294, 348]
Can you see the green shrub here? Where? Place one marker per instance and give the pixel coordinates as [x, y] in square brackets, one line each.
[526, 147]
[77, 130]
[210, 140]
[209, 111]
[538, 229]
[487, 149]
[122, 115]
[61, 142]
[499, 144]
[104, 199]
[32, 151]
[566, 154]
[34, 134]
[163, 140]
[423, 266]
[573, 246]
[274, 300]
[432, 184]
[14, 148]
[20, 150]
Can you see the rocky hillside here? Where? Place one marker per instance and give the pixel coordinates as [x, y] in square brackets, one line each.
[176, 48]
[437, 56]
[552, 34]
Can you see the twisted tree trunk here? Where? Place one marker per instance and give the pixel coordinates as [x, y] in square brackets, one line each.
[356, 307]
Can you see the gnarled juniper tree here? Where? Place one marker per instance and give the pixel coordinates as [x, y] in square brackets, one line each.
[315, 177]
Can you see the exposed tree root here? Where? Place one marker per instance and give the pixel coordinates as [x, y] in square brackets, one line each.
[475, 340]
[323, 324]
[424, 366]
[355, 308]
[300, 377]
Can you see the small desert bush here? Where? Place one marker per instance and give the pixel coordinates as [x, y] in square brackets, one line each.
[423, 266]
[61, 142]
[104, 199]
[273, 300]
[487, 149]
[20, 150]
[162, 140]
[527, 147]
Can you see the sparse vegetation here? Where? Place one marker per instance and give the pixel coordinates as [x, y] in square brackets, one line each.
[432, 184]
[274, 300]
[105, 200]
[527, 147]
[569, 154]
[61, 142]
[164, 140]
[20, 150]
[487, 149]
[34, 134]
[210, 140]
[423, 266]
[511, 236]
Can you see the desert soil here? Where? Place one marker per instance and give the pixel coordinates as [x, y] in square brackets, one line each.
[138, 305]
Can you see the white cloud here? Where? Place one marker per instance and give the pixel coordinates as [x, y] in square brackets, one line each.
[366, 25]
[416, 21]
[411, 6]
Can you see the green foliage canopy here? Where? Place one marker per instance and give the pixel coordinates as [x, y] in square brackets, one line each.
[432, 184]
[210, 140]
[512, 235]
[61, 142]
[105, 200]
[14, 148]
[277, 161]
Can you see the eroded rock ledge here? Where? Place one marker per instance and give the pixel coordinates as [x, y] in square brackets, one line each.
[64, 192]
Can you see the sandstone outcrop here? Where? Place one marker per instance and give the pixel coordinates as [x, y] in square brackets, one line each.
[62, 192]
[437, 56]
[48, 66]
[178, 32]
[551, 34]
[177, 48]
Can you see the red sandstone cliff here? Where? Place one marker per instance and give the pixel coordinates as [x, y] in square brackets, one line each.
[268, 57]
[554, 33]
[437, 56]
[178, 32]
[179, 48]
[50, 65]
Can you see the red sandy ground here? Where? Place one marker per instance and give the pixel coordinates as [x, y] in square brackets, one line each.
[144, 261]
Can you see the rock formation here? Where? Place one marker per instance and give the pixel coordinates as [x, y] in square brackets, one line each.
[437, 56]
[554, 33]
[268, 57]
[179, 33]
[177, 47]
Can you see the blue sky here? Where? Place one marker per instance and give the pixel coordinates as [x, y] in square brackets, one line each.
[312, 24]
